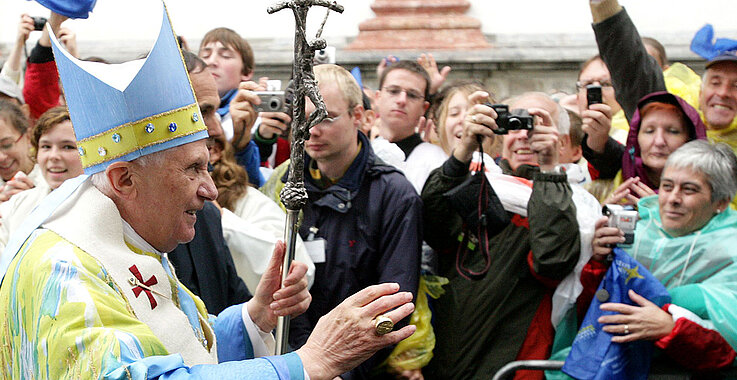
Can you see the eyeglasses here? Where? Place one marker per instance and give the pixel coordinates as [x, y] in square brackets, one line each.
[7, 143]
[330, 120]
[412, 95]
[580, 85]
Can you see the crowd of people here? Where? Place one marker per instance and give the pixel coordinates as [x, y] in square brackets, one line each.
[428, 200]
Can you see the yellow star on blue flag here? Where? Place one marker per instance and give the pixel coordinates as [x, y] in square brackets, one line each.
[632, 273]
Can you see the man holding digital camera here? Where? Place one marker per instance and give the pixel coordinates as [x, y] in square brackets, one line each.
[229, 58]
[496, 308]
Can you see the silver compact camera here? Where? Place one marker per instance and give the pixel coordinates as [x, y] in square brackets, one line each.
[623, 217]
[323, 56]
[271, 101]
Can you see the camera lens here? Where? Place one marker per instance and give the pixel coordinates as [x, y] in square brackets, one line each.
[515, 123]
[275, 104]
[38, 22]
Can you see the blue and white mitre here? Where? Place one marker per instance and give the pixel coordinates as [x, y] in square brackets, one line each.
[121, 112]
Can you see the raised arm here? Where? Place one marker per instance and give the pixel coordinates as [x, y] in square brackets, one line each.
[12, 66]
[634, 72]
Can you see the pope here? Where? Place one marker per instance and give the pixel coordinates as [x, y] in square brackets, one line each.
[89, 291]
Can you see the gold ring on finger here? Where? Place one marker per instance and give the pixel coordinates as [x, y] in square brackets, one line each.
[383, 325]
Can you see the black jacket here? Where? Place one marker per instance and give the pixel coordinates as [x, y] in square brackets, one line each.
[481, 324]
[205, 265]
[371, 221]
[634, 74]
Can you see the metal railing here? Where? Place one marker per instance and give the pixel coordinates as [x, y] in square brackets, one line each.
[659, 371]
[508, 371]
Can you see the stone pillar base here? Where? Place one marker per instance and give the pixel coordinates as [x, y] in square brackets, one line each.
[421, 25]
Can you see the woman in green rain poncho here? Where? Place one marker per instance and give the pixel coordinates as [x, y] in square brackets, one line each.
[687, 238]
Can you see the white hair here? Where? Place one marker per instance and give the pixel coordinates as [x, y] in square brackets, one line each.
[716, 161]
[102, 183]
[563, 122]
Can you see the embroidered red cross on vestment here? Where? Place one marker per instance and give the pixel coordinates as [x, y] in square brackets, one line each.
[142, 286]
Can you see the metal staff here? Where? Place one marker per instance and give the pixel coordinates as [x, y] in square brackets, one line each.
[294, 194]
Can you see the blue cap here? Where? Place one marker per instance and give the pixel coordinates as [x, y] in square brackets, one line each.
[727, 56]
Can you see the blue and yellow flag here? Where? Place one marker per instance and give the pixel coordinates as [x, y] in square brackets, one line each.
[593, 355]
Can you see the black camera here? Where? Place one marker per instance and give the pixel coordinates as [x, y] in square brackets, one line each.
[39, 22]
[511, 121]
[593, 94]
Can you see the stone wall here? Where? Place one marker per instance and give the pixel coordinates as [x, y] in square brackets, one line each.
[513, 65]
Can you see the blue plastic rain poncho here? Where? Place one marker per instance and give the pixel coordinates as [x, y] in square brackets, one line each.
[699, 270]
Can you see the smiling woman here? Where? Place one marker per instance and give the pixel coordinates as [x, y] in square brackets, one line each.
[662, 123]
[14, 155]
[451, 112]
[55, 149]
[685, 237]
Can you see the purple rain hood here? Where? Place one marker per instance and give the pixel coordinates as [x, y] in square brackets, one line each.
[632, 165]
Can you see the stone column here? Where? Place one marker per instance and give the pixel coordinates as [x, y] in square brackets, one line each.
[421, 25]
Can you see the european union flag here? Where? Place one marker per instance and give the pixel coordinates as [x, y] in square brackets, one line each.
[70, 8]
[593, 355]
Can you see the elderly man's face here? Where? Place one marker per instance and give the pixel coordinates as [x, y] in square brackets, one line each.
[516, 147]
[170, 193]
[685, 201]
[206, 92]
[718, 98]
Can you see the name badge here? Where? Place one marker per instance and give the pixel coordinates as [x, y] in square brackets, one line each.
[316, 250]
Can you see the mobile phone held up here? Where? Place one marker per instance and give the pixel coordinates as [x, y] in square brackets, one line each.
[593, 94]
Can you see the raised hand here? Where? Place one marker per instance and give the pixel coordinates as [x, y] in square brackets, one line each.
[274, 298]
[346, 336]
[480, 121]
[597, 122]
[630, 192]
[544, 139]
[437, 77]
[243, 114]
